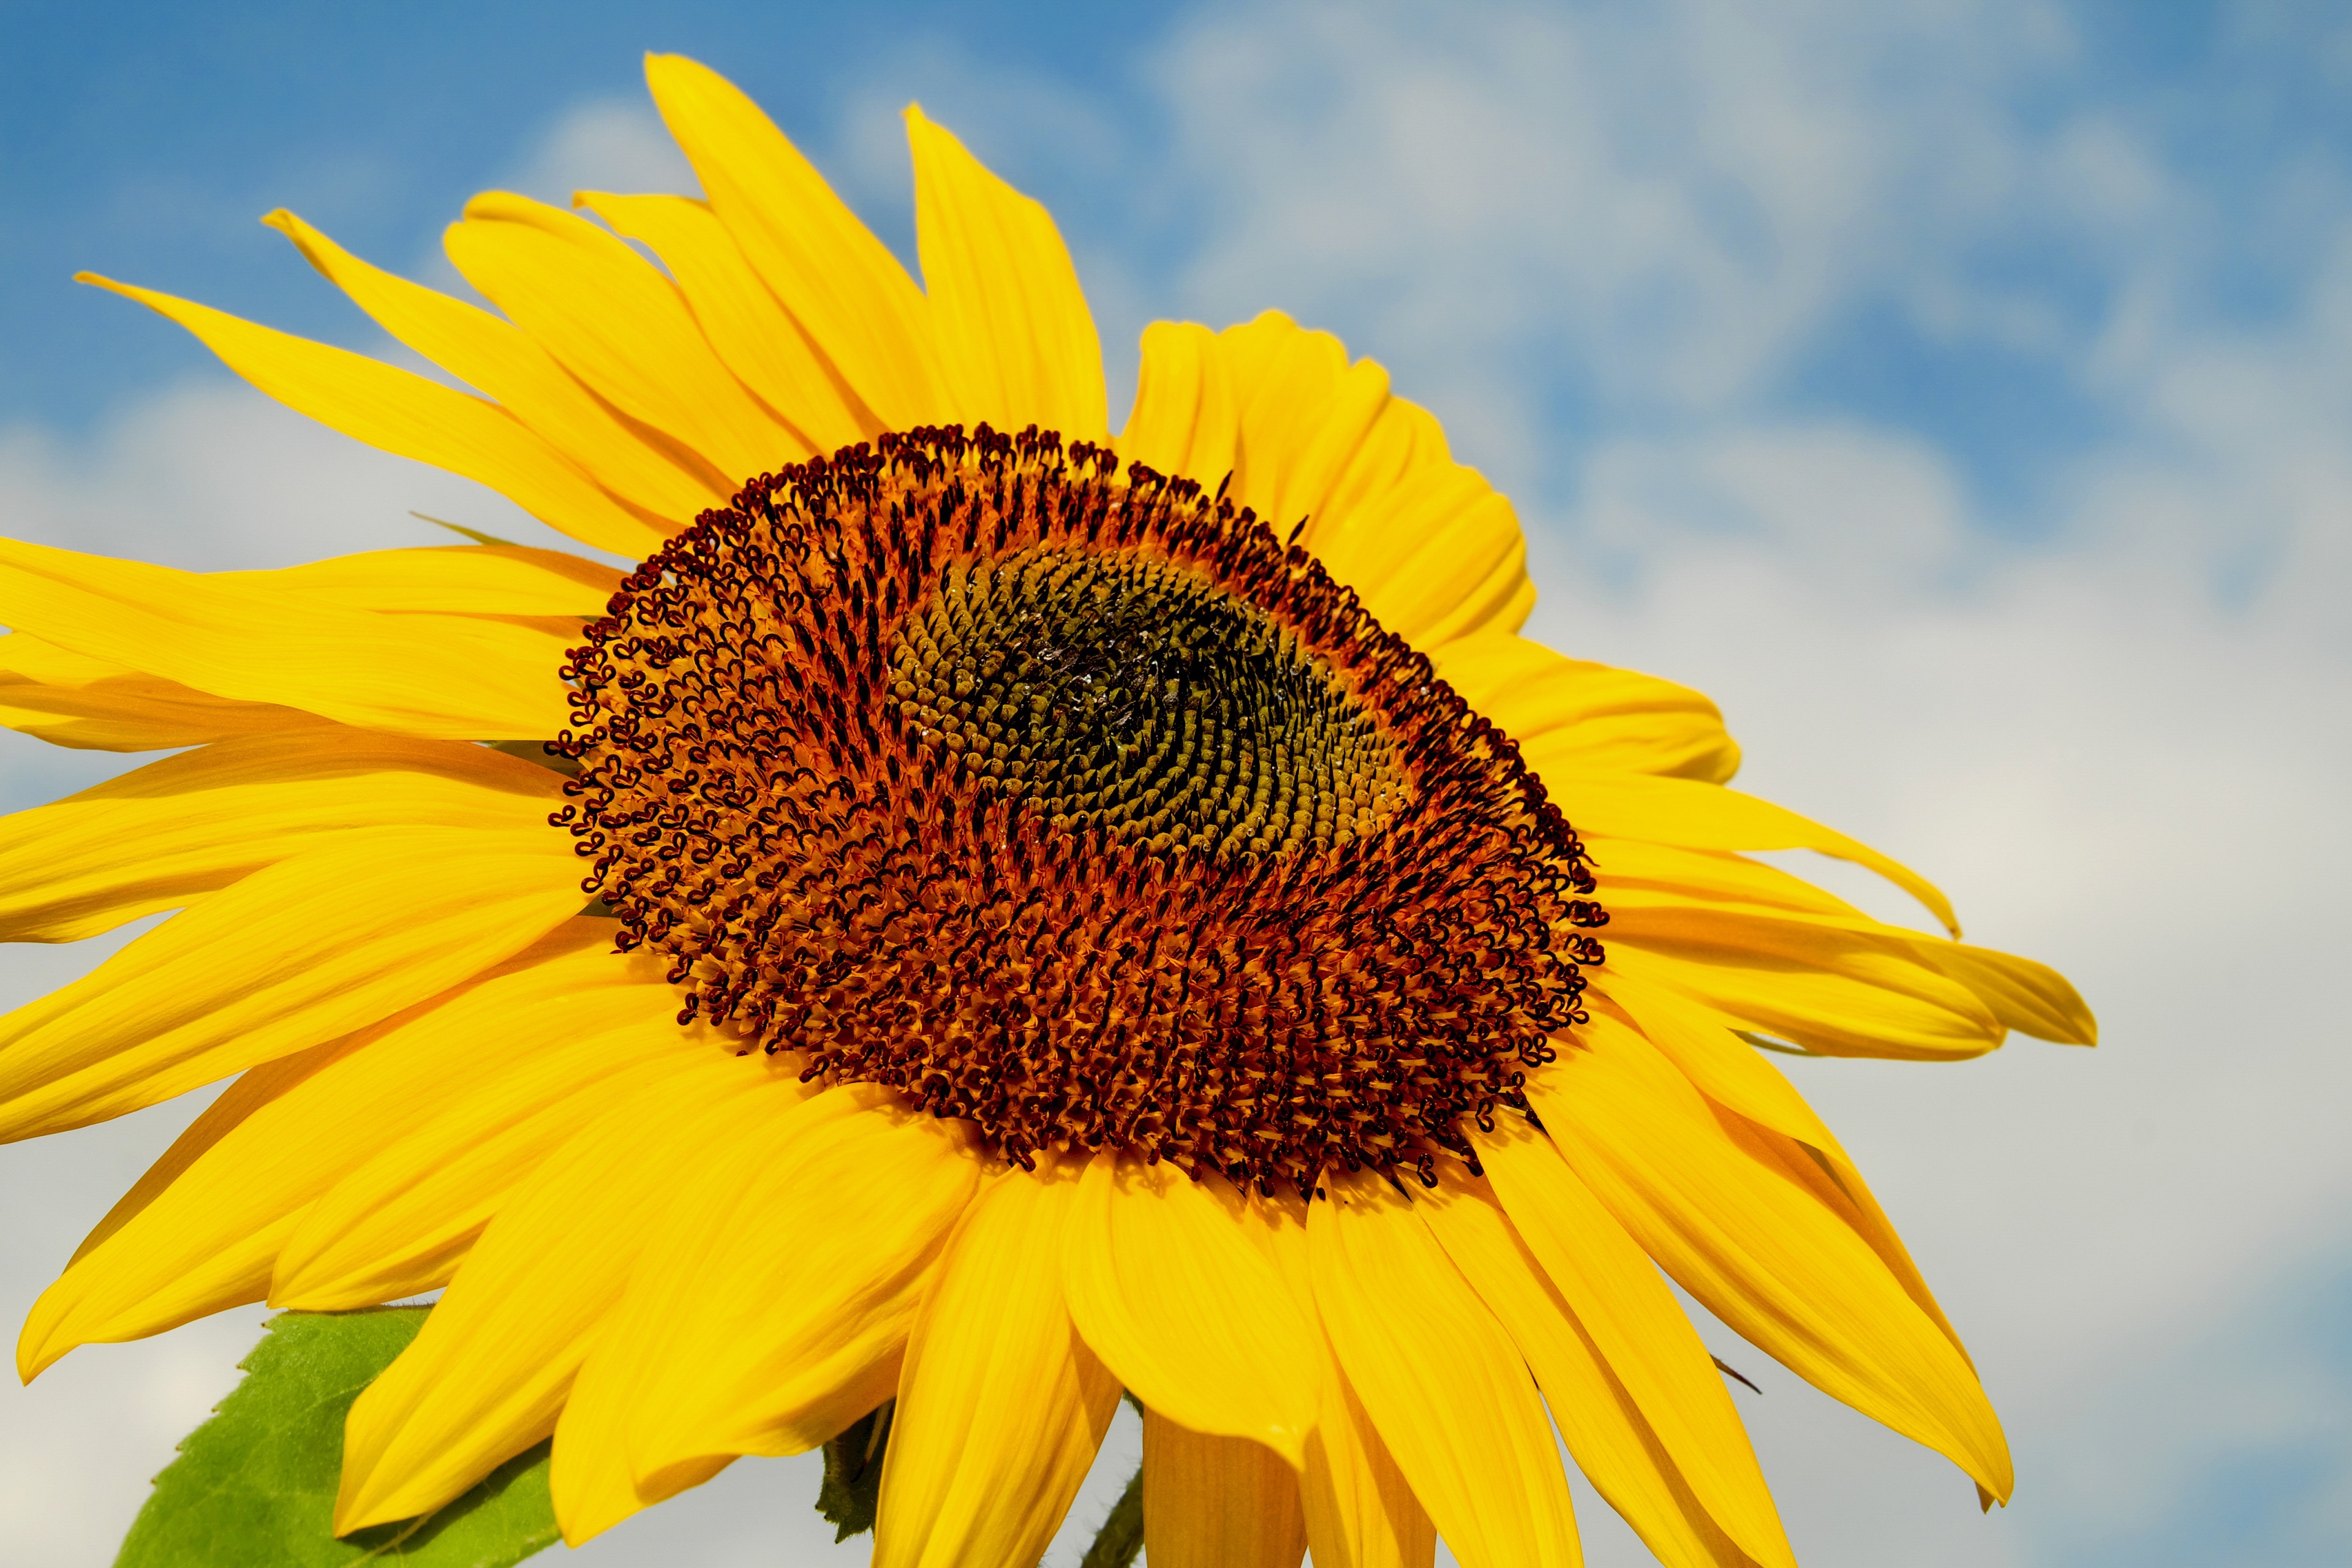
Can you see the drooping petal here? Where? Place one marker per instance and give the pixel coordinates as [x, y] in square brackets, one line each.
[1000, 1404]
[1738, 1232]
[772, 1310]
[1645, 1349]
[204, 819]
[1184, 423]
[259, 638]
[1153, 1263]
[1594, 717]
[756, 336]
[402, 413]
[502, 362]
[202, 1229]
[621, 327]
[1440, 1377]
[1016, 342]
[840, 283]
[1217, 1502]
[486, 1375]
[315, 946]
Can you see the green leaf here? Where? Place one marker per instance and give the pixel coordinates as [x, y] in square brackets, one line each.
[254, 1486]
[852, 1472]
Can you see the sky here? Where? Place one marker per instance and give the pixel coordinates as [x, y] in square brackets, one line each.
[1960, 391]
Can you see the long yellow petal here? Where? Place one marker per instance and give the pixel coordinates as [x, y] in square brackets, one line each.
[755, 335]
[1168, 1287]
[200, 1231]
[204, 819]
[1001, 1406]
[315, 946]
[1441, 1378]
[1639, 1333]
[401, 1224]
[509, 580]
[621, 327]
[1217, 1502]
[488, 1375]
[1016, 342]
[256, 637]
[402, 413]
[840, 283]
[1833, 994]
[772, 1313]
[1596, 719]
[71, 699]
[1704, 1197]
[502, 362]
[1184, 423]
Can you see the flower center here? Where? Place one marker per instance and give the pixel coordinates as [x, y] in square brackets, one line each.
[1072, 803]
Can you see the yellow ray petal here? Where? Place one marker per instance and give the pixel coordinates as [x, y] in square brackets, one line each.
[315, 946]
[1217, 1502]
[200, 1231]
[1698, 815]
[402, 1223]
[1183, 423]
[503, 362]
[773, 1310]
[1637, 1332]
[840, 283]
[71, 699]
[756, 336]
[259, 639]
[485, 1378]
[1443, 1381]
[620, 326]
[204, 819]
[1596, 719]
[1154, 1264]
[1016, 343]
[1833, 997]
[403, 414]
[455, 580]
[1704, 1044]
[2031, 998]
[1001, 1406]
[1762, 1253]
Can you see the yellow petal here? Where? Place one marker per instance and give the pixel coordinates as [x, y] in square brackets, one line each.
[756, 336]
[200, 1231]
[259, 639]
[315, 946]
[621, 327]
[502, 362]
[403, 414]
[840, 283]
[1696, 815]
[1440, 1377]
[485, 1378]
[2031, 998]
[1000, 1404]
[1594, 718]
[1168, 1287]
[1638, 1332]
[1833, 994]
[457, 580]
[1759, 1250]
[1360, 1512]
[1217, 1502]
[1016, 342]
[204, 819]
[1183, 423]
[401, 1224]
[773, 1309]
[71, 699]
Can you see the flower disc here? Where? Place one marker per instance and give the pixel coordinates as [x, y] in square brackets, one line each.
[1073, 803]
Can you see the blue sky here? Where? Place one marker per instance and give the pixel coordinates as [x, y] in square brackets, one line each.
[1959, 390]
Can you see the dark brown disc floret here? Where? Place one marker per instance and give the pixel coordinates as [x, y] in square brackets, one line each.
[1072, 802]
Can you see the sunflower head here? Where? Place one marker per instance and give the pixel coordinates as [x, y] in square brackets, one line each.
[1076, 805]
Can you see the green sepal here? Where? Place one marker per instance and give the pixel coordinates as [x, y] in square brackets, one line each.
[852, 1472]
[254, 1486]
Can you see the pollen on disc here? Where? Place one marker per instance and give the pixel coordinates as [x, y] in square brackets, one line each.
[1071, 802]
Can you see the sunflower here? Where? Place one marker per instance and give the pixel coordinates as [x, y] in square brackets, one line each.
[984, 913]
